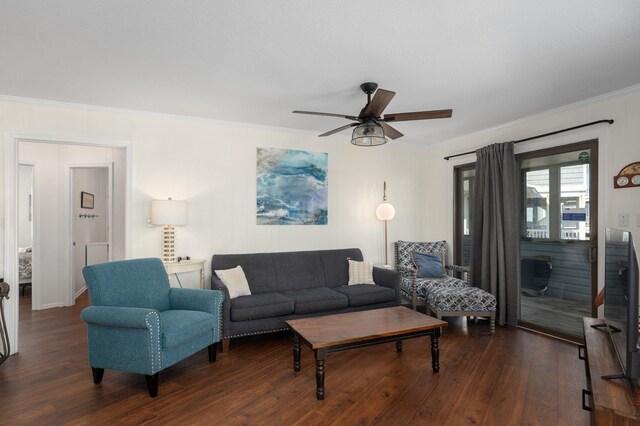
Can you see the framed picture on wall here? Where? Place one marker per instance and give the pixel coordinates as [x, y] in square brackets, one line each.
[86, 200]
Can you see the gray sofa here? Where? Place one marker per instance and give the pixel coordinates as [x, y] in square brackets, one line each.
[295, 285]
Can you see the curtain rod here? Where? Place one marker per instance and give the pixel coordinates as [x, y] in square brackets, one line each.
[540, 136]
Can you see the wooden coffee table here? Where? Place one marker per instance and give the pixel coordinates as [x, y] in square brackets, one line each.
[333, 333]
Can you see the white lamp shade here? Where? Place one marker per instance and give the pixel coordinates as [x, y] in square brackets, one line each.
[169, 212]
[385, 211]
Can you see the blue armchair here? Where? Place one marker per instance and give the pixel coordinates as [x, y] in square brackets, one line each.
[139, 324]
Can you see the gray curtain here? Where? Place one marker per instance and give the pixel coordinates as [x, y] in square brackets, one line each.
[494, 228]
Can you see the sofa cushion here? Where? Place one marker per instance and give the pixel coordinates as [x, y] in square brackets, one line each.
[257, 267]
[360, 272]
[336, 268]
[263, 305]
[312, 300]
[179, 326]
[298, 270]
[235, 280]
[367, 294]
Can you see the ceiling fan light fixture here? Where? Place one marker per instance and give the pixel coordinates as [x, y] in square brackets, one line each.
[368, 134]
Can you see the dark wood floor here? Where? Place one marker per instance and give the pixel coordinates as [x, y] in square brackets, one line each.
[513, 378]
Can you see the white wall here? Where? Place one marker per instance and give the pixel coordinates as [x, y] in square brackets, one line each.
[25, 181]
[52, 214]
[212, 165]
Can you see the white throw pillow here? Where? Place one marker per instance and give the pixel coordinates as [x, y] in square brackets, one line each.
[235, 280]
[360, 272]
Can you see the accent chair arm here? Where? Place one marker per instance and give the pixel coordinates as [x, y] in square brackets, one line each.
[191, 299]
[463, 269]
[458, 268]
[122, 317]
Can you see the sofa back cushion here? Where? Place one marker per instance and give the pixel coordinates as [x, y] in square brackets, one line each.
[336, 265]
[298, 270]
[268, 272]
[257, 267]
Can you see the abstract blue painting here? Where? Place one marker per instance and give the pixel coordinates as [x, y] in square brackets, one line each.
[291, 187]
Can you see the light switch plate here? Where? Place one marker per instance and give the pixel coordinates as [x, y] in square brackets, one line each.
[623, 219]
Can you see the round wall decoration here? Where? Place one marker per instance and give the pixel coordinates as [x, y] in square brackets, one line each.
[628, 177]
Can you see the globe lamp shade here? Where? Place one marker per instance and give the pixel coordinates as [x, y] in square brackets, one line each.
[385, 211]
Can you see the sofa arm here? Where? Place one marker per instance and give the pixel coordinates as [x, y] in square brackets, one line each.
[190, 299]
[388, 278]
[217, 284]
[121, 317]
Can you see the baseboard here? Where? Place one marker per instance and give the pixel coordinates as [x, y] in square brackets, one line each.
[79, 292]
[51, 305]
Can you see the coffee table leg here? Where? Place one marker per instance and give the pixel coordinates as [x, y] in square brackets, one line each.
[296, 352]
[320, 356]
[398, 345]
[435, 351]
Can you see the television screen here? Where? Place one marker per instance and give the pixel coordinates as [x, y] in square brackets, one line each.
[621, 297]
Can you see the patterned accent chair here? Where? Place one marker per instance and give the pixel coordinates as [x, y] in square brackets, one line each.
[446, 296]
[140, 325]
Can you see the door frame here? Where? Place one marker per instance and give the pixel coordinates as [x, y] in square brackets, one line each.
[72, 191]
[594, 191]
[35, 238]
[10, 243]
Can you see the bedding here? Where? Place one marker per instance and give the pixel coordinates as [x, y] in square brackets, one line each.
[24, 264]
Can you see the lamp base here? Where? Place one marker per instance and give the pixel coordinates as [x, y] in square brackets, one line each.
[168, 244]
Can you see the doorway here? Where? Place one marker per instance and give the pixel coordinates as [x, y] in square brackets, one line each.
[558, 238]
[91, 209]
[25, 230]
[54, 209]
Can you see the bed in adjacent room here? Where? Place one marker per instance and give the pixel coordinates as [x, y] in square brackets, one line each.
[24, 267]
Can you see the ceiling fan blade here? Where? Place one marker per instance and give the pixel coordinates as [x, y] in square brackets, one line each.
[390, 131]
[418, 115]
[379, 102]
[328, 114]
[339, 129]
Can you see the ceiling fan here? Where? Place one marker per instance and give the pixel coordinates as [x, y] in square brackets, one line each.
[371, 127]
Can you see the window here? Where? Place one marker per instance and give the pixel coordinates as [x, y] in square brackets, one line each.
[464, 177]
[557, 200]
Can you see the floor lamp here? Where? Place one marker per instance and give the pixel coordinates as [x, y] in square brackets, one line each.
[385, 211]
[168, 213]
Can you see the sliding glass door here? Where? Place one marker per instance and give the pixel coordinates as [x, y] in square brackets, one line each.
[558, 235]
[558, 188]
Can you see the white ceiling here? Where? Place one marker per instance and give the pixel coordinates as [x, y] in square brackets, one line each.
[255, 61]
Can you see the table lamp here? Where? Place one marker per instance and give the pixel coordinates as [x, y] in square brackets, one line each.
[168, 213]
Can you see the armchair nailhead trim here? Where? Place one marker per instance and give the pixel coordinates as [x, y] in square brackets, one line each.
[159, 360]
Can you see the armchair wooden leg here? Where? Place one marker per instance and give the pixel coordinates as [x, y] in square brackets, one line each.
[492, 323]
[98, 373]
[213, 350]
[152, 384]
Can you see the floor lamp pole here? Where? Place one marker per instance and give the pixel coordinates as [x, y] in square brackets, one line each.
[386, 247]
